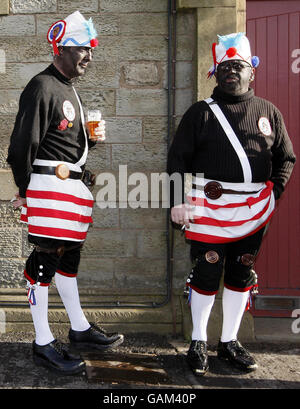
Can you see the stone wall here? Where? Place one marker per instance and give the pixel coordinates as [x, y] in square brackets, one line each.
[126, 248]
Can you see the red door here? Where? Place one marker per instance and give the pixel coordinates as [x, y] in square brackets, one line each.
[273, 28]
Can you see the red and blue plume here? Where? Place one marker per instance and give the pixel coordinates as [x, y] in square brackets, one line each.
[255, 61]
[55, 34]
[213, 68]
[92, 33]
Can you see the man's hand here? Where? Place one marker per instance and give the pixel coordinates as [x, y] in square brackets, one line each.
[182, 214]
[99, 133]
[18, 201]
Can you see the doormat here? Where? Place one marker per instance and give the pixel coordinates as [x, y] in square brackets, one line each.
[129, 368]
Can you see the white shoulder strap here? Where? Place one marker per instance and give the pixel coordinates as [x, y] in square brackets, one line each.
[232, 138]
[83, 158]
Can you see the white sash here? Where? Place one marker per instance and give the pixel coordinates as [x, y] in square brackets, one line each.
[232, 138]
[82, 160]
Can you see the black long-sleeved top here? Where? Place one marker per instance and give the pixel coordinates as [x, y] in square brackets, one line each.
[201, 146]
[38, 131]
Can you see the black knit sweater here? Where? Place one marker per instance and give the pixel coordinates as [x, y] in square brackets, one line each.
[201, 146]
[37, 132]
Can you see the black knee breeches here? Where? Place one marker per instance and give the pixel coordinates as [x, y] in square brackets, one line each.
[45, 261]
[235, 259]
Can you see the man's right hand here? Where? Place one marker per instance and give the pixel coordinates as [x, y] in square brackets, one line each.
[182, 214]
[18, 201]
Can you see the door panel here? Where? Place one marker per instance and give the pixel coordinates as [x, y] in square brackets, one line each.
[273, 28]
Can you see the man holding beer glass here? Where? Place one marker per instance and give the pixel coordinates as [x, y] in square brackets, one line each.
[47, 154]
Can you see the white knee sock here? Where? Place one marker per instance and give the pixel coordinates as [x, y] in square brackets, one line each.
[68, 291]
[39, 312]
[201, 306]
[234, 304]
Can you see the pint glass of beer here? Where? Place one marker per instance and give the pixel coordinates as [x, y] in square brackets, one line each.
[93, 119]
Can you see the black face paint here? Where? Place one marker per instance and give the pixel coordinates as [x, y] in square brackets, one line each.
[74, 61]
[233, 77]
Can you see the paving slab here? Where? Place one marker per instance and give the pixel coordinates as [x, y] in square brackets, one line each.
[148, 362]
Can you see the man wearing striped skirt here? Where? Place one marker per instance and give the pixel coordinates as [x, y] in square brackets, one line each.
[238, 150]
[47, 154]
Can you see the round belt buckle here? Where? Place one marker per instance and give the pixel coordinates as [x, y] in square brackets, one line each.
[62, 171]
[247, 259]
[213, 190]
[212, 257]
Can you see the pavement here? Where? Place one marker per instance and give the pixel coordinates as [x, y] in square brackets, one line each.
[146, 366]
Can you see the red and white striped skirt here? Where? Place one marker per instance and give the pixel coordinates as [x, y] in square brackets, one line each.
[232, 216]
[56, 208]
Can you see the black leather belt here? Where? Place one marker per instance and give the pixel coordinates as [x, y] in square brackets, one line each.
[52, 170]
[60, 251]
[213, 190]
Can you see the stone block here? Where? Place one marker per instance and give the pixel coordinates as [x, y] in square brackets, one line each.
[129, 48]
[184, 99]
[26, 49]
[140, 102]
[18, 75]
[105, 218]
[11, 272]
[141, 281]
[96, 273]
[185, 77]
[151, 244]
[6, 127]
[99, 157]
[123, 130]
[9, 101]
[185, 48]
[97, 99]
[143, 24]
[132, 6]
[138, 267]
[186, 23]
[11, 242]
[69, 6]
[14, 26]
[140, 157]
[143, 218]
[8, 187]
[106, 25]
[4, 7]
[141, 74]
[8, 216]
[101, 74]
[155, 130]
[33, 6]
[146, 274]
[109, 243]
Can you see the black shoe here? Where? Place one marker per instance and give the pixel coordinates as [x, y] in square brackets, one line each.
[197, 357]
[95, 338]
[56, 357]
[237, 354]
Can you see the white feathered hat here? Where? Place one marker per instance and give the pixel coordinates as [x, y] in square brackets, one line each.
[233, 46]
[74, 30]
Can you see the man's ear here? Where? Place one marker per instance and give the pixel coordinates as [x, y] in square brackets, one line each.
[252, 75]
